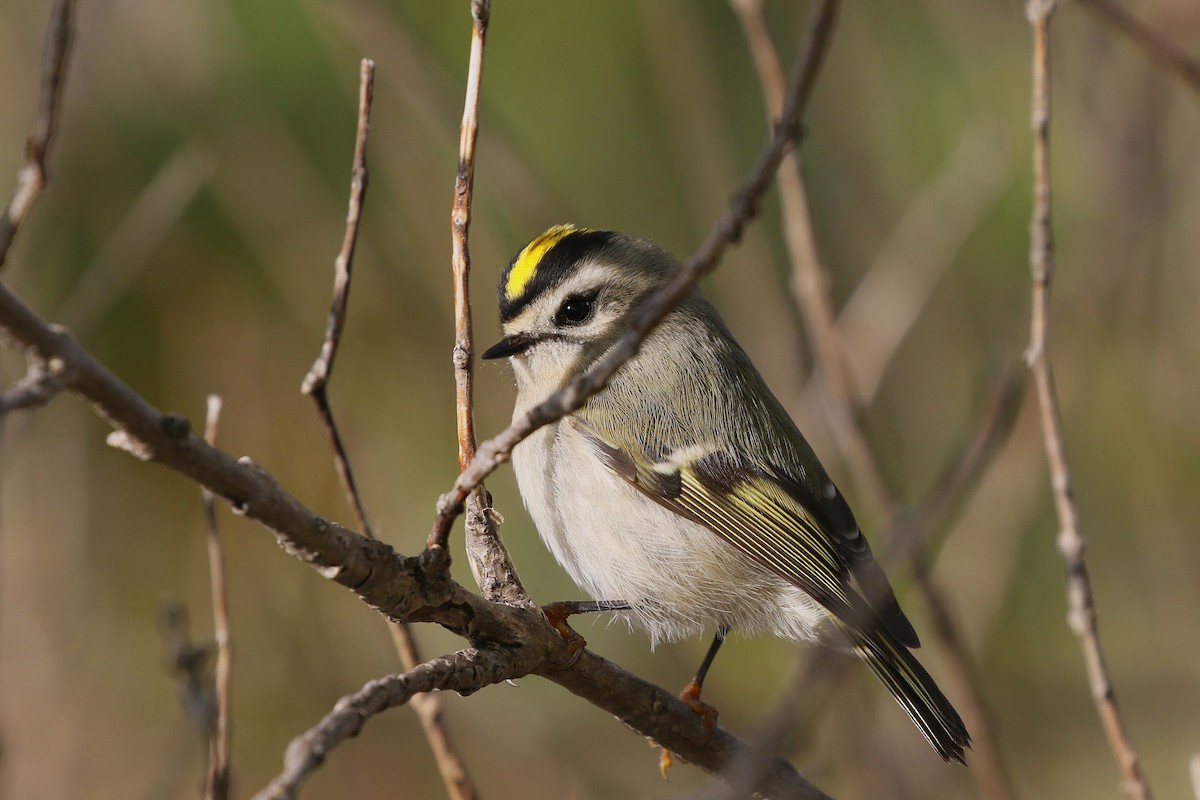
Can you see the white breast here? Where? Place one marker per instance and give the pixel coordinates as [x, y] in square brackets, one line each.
[617, 544]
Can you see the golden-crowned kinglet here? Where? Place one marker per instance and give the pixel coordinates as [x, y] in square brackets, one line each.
[683, 490]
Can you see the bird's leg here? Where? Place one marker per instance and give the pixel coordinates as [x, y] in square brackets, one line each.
[691, 693]
[691, 696]
[556, 614]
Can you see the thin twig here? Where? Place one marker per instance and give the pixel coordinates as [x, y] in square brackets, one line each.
[460, 225]
[491, 565]
[217, 780]
[33, 176]
[317, 380]
[726, 230]
[1163, 52]
[459, 672]
[812, 288]
[41, 383]
[1081, 615]
[316, 383]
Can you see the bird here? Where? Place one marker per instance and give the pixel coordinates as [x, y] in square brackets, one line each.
[682, 494]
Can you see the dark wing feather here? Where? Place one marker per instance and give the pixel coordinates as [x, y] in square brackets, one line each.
[836, 517]
[754, 511]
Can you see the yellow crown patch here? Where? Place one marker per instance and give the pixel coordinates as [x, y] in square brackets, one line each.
[525, 265]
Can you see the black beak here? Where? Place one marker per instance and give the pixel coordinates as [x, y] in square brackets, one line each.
[509, 346]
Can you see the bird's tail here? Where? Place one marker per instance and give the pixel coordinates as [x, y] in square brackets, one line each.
[915, 691]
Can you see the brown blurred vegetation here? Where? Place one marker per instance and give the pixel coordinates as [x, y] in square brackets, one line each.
[197, 203]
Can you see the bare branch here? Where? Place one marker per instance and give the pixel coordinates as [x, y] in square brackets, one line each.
[43, 380]
[217, 780]
[460, 221]
[1163, 52]
[466, 671]
[726, 230]
[1081, 613]
[317, 379]
[318, 375]
[491, 565]
[32, 177]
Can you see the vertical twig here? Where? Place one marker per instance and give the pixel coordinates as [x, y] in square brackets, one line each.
[316, 382]
[217, 781]
[490, 563]
[1166, 54]
[1081, 614]
[460, 220]
[427, 706]
[812, 288]
[32, 177]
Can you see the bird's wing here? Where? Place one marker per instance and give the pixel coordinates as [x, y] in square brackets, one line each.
[755, 510]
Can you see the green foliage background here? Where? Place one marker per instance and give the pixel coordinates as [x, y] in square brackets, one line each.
[198, 198]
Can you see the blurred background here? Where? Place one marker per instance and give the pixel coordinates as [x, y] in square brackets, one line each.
[198, 200]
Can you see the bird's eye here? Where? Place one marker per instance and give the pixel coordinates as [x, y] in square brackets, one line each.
[575, 309]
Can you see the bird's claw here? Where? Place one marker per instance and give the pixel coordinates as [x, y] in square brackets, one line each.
[708, 718]
[556, 614]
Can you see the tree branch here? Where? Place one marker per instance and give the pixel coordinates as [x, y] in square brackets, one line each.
[316, 381]
[1081, 613]
[908, 536]
[217, 780]
[33, 177]
[43, 380]
[465, 671]
[460, 224]
[490, 562]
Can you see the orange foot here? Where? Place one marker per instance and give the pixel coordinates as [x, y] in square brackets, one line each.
[664, 763]
[708, 717]
[556, 614]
